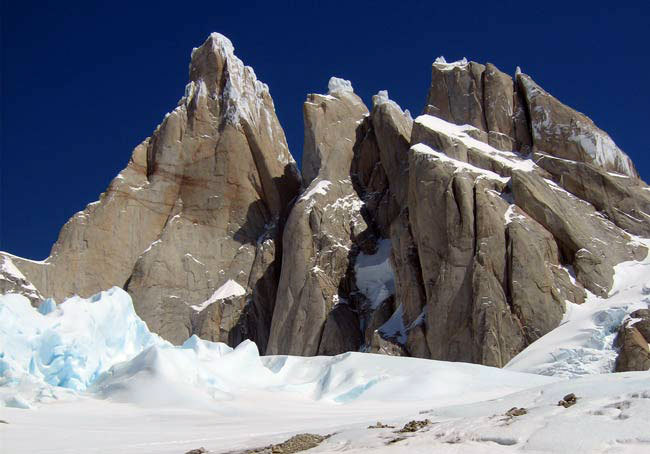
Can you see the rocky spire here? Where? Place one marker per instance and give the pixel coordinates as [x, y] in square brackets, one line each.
[191, 226]
[314, 287]
[461, 235]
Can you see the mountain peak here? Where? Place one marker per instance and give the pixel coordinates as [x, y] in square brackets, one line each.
[218, 43]
[221, 42]
[216, 69]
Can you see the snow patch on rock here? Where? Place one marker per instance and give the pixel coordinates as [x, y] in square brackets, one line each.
[441, 63]
[227, 290]
[508, 159]
[337, 85]
[320, 187]
[460, 165]
[394, 328]
[374, 274]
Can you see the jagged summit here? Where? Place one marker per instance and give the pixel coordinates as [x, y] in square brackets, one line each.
[441, 63]
[566, 133]
[382, 97]
[516, 114]
[216, 72]
[197, 210]
[462, 235]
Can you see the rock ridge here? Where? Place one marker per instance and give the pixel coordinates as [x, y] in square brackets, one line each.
[459, 235]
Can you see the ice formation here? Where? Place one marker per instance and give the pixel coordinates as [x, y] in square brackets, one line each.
[583, 344]
[339, 85]
[124, 388]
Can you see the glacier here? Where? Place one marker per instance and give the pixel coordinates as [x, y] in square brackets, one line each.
[71, 344]
[583, 344]
[91, 376]
[100, 346]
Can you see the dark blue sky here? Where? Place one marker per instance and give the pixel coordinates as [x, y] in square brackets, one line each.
[84, 82]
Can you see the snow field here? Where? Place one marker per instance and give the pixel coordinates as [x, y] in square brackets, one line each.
[92, 378]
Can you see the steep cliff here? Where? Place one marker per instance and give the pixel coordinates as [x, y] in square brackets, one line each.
[461, 235]
[192, 226]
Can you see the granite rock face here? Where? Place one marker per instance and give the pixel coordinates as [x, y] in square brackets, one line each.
[517, 114]
[500, 221]
[563, 132]
[468, 93]
[201, 203]
[492, 275]
[623, 200]
[315, 282]
[13, 281]
[227, 156]
[456, 93]
[633, 341]
[460, 235]
[384, 143]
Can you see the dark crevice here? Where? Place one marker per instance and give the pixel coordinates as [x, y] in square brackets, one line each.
[509, 291]
[475, 209]
[455, 191]
[125, 287]
[483, 103]
[520, 93]
[507, 278]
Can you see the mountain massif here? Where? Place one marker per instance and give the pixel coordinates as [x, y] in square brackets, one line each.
[460, 235]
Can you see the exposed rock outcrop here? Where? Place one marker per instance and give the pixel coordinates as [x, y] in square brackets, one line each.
[518, 114]
[498, 229]
[460, 235]
[590, 242]
[633, 341]
[319, 234]
[384, 142]
[488, 269]
[623, 200]
[485, 242]
[456, 93]
[200, 204]
[563, 132]
[468, 93]
[13, 281]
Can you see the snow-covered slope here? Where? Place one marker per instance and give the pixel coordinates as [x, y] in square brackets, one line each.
[610, 416]
[99, 345]
[93, 378]
[584, 342]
